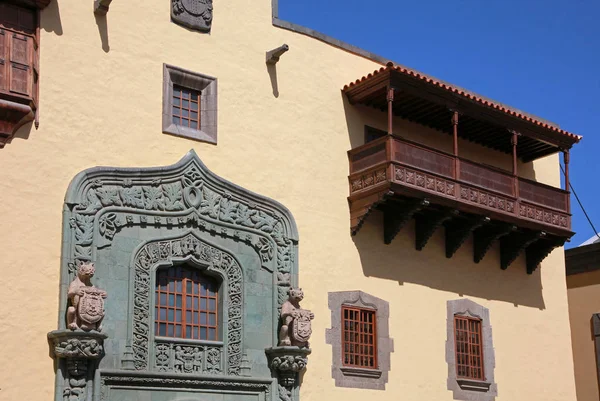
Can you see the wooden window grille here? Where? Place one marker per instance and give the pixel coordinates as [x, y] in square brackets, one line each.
[359, 337]
[469, 348]
[187, 304]
[186, 107]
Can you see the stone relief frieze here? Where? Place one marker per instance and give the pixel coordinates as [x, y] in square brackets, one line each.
[186, 358]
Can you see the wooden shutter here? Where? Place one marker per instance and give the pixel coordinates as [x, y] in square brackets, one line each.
[3, 60]
[21, 64]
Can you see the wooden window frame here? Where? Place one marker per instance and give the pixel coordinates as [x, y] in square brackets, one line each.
[193, 97]
[184, 277]
[362, 312]
[471, 356]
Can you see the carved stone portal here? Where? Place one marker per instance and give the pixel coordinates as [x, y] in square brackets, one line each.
[194, 14]
[295, 321]
[86, 302]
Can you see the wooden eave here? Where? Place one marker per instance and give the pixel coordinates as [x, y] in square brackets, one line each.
[430, 104]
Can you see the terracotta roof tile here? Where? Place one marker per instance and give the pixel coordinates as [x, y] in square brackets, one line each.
[406, 71]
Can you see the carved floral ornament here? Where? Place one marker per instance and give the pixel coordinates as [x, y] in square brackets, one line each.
[187, 194]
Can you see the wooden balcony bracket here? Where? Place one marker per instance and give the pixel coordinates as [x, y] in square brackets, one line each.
[458, 230]
[427, 224]
[484, 237]
[397, 214]
[381, 199]
[511, 246]
[539, 250]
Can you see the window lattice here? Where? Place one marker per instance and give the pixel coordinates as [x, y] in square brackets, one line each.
[469, 348]
[359, 337]
[186, 304]
[186, 106]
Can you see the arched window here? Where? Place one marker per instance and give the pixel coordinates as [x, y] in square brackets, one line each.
[187, 304]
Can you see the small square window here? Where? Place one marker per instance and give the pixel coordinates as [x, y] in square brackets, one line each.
[189, 104]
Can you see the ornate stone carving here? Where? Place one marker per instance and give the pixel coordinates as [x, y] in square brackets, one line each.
[76, 381]
[86, 302]
[159, 252]
[77, 353]
[194, 14]
[295, 321]
[106, 206]
[78, 348]
[287, 363]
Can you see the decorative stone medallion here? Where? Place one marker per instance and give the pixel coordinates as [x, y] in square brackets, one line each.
[194, 14]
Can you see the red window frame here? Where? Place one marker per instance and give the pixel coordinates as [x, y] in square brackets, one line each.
[187, 304]
[468, 347]
[359, 337]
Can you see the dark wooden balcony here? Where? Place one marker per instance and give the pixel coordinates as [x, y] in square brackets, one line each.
[407, 180]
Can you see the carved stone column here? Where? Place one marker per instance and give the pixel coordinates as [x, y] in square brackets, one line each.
[287, 363]
[77, 354]
[290, 357]
[79, 347]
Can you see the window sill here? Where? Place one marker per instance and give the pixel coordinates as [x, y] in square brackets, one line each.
[361, 372]
[189, 133]
[473, 385]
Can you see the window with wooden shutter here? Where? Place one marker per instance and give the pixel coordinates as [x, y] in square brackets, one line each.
[19, 33]
[3, 60]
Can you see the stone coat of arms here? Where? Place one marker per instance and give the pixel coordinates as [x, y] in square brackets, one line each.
[301, 326]
[194, 14]
[91, 305]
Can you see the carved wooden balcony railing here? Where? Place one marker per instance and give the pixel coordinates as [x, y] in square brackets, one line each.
[407, 180]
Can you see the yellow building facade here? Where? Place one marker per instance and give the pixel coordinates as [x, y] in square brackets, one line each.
[283, 132]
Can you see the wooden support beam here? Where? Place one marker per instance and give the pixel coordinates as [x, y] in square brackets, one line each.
[539, 250]
[458, 230]
[427, 223]
[358, 216]
[484, 237]
[512, 245]
[397, 214]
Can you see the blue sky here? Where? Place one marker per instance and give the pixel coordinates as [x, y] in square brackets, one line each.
[540, 56]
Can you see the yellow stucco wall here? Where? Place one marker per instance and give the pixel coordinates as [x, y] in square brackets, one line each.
[101, 90]
[584, 301]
